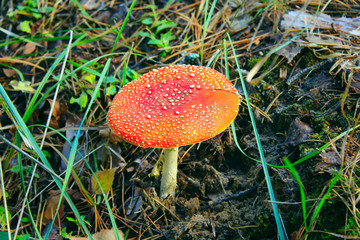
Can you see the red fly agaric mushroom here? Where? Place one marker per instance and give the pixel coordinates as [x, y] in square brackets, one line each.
[170, 107]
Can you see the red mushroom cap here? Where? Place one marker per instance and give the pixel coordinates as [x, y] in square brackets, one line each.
[174, 106]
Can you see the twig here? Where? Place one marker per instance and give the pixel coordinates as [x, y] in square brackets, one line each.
[305, 71]
[231, 197]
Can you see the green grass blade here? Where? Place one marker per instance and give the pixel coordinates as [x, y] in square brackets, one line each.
[207, 19]
[325, 197]
[31, 142]
[19, 37]
[75, 142]
[123, 25]
[30, 109]
[82, 10]
[281, 232]
[5, 202]
[124, 73]
[297, 178]
[21, 76]
[111, 215]
[37, 232]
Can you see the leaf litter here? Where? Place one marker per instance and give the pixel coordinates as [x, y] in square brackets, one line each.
[310, 93]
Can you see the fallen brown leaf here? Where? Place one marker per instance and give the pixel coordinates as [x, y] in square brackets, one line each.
[9, 72]
[51, 205]
[29, 48]
[106, 179]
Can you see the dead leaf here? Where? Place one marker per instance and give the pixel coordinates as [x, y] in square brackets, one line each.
[66, 153]
[130, 169]
[14, 46]
[105, 234]
[60, 108]
[298, 19]
[29, 48]
[298, 133]
[104, 16]
[330, 162]
[51, 205]
[92, 4]
[105, 178]
[240, 23]
[290, 51]
[133, 204]
[57, 111]
[9, 72]
[331, 157]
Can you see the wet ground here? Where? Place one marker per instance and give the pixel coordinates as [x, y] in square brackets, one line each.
[308, 97]
[222, 194]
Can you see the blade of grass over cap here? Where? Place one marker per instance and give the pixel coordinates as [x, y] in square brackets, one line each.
[281, 232]
[227, 74]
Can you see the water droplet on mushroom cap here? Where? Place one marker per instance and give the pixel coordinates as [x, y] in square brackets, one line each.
[202, 104]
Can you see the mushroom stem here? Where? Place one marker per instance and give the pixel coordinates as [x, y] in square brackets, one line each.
[169, 172]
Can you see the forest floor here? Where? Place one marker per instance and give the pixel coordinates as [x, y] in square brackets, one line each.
[301, 69]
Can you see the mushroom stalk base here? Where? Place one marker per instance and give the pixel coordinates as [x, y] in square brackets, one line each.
[169, 172]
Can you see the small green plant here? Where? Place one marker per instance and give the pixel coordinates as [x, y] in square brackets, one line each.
[23, 237]
[156, 27]
[82, 100]
[26, 169]
[64, 233]
[30, 9]
[3, 216]
[111, 85]
[351, 227]
[73, 220]
[24, 86]
[162, 42]
[129, 76]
